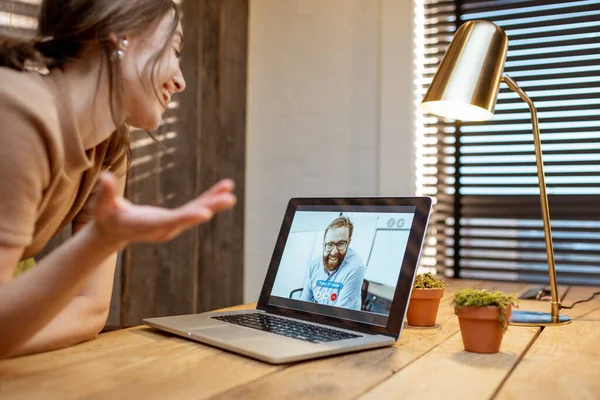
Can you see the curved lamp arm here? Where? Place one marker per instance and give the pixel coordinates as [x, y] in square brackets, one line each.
[543, 196]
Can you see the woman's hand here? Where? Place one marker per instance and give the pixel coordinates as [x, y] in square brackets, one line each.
[126, 222]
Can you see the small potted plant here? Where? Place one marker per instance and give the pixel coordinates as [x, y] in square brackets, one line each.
[425, 300]
[483, 318]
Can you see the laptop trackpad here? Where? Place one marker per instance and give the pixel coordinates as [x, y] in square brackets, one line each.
[226, 333]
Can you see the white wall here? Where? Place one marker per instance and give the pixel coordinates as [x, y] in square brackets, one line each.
[329, 110]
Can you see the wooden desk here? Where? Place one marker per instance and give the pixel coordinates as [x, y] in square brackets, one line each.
[553, 363]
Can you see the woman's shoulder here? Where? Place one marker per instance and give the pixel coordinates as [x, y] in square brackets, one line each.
[25, 99]
[26, 91]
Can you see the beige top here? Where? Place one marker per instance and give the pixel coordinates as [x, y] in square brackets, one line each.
[47, 177]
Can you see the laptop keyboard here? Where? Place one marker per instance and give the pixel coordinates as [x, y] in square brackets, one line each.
[286, 327]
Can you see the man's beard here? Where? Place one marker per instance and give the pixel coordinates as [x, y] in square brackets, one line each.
[333, 264]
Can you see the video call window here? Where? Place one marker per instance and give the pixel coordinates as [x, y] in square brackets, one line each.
[348, 260]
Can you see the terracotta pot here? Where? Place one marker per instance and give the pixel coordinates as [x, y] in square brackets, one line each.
[480, 328]
[423, 306]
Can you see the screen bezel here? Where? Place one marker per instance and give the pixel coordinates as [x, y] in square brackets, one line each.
[407, 272]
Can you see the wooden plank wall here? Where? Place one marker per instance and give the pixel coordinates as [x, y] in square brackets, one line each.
[223, 147]
[203, 268]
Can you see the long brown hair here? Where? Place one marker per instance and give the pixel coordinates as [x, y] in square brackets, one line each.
[66, 27]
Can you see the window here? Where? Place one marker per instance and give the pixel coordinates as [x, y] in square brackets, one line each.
[19, 18]
[487, 217]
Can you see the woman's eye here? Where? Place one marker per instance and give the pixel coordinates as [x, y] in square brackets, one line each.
[177, 54]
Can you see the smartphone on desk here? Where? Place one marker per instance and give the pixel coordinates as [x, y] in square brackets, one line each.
[536, 293]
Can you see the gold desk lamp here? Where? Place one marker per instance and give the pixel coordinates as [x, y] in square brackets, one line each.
[465, 88]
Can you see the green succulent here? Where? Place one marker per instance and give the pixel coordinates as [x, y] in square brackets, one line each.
[428, 281]
[485, 298]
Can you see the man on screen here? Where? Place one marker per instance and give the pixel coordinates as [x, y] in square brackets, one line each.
[335, 279]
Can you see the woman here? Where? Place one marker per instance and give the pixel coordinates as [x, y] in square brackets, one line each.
[64, 151]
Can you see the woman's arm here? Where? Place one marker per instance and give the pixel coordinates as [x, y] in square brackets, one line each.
[85, 316]
[31, 301]
[82, 319]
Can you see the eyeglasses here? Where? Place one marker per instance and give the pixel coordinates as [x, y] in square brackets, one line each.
[341, 245]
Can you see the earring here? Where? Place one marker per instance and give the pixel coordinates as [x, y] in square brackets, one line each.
[120, 53]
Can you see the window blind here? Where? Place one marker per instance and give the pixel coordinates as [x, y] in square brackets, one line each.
[487, 216]
[19, 18]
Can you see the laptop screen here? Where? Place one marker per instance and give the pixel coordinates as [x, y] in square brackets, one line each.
[343, 261]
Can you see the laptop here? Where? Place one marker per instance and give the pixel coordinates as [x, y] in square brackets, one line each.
[339, 281]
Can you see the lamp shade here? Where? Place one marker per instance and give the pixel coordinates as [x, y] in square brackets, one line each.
[466, 84]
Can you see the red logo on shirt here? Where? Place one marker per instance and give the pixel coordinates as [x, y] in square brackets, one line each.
[333, 296]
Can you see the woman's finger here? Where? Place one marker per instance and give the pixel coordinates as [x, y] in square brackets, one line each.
[181, 220]
[224, 185]
[220, 202]
[198, 212]
[215, 201]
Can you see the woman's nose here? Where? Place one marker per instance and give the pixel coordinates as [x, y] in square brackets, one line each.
[179, 82]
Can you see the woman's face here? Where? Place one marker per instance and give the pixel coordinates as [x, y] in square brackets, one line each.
[142, 84]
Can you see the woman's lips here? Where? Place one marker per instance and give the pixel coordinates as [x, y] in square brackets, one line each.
[167, 93]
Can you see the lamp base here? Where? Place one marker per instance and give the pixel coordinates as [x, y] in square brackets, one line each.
[535, 318]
